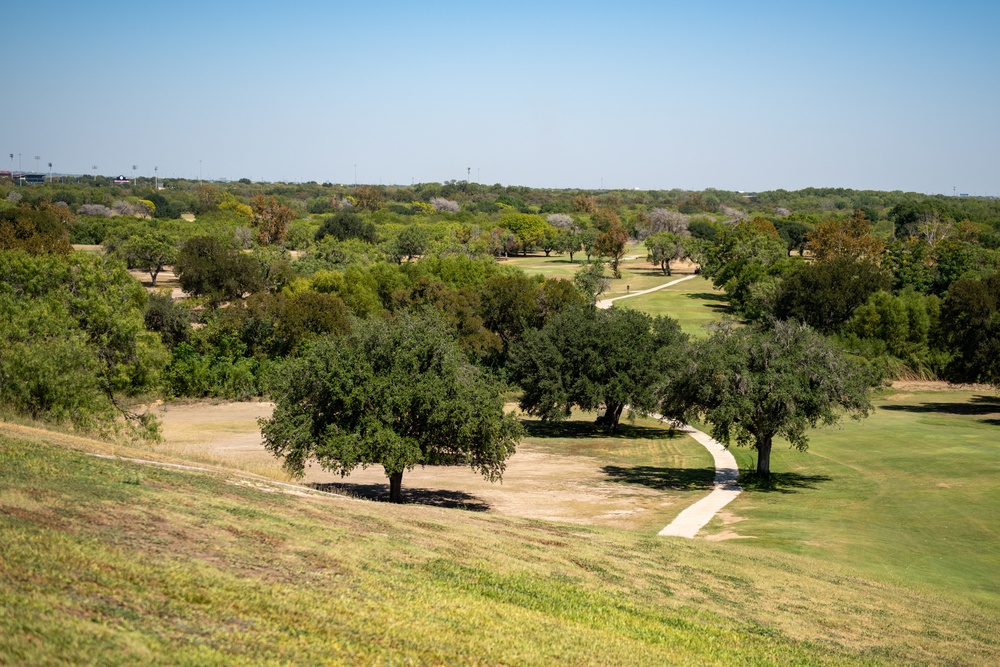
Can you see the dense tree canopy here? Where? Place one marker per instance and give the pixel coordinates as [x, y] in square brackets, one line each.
[396, 393]
[590, 358]
[825, 294]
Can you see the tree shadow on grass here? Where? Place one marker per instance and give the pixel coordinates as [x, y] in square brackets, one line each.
[411, 496]
[780, 482]
[663, 479]
[535, 428]
[721, 301]
[976, 406]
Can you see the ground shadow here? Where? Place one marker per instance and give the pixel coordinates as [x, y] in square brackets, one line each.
[412, 496]
[780, 482]
[721, 304]
[663, 479]
[535, 428]
[976, 406]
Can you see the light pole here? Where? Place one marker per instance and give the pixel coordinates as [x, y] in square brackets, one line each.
[95, 172]
[50, 171]
[156, 181]
[37, 158]
[134, 167]
[199, 171]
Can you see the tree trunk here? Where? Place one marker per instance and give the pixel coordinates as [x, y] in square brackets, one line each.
[612, 415]
[764, 457]
[396, 487]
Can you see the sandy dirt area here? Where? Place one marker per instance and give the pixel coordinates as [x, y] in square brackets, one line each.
[536, 484]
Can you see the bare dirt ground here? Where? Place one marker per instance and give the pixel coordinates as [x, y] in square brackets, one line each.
[937, 385]
[537, 484]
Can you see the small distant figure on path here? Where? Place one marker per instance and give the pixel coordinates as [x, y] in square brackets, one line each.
[627, 287]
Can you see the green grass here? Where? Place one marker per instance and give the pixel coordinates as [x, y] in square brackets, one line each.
[910, 495]
[694, 303]
[104, 562]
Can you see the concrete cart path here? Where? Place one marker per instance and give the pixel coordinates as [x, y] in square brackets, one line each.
[694, 518]
[606, 303]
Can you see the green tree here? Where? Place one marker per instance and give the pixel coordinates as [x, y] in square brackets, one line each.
[588, 239]
[570, 243]
[208, 267]
[73, 338]
[396, 393]
[529, 229]
[972, 333]
[825, 294]
[589, 358]
[591, 281]
[347, 224]
[665, 247]
[148, 251]
[754, 383]
[746, 260]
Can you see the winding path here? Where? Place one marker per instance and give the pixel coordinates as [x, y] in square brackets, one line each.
[690, 521]
[606, 303]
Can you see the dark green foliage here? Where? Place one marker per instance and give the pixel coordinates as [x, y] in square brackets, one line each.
[702, 229]
[347, 224]
[396, 393]
[747, 261]
[509, 306]
[169, 318]
[825, 294]
[37, 230]
[970, 317]
[590, 358]
[208, 267]
[754, 383]
[793, 233]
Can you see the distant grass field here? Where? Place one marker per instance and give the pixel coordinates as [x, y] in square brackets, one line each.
[879, 547]
[694, 303]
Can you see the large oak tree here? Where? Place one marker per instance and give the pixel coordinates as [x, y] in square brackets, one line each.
[755, 383]
[588, 358]
[396, 393]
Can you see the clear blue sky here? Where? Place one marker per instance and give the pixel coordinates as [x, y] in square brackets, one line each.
[740, 96]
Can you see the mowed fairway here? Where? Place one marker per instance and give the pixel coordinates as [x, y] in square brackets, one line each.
[911, 495]
[694, 303]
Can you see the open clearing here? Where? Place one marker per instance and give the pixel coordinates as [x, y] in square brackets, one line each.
[638, 480]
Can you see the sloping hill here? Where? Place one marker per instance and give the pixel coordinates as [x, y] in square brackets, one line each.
[109, 562]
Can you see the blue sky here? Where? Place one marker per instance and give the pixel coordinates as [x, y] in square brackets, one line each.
[739, 96]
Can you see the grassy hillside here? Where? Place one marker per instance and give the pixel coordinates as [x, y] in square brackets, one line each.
[108, 562]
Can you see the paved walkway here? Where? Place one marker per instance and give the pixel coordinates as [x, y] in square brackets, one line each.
[606, 303]
[694, 518]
